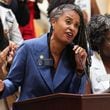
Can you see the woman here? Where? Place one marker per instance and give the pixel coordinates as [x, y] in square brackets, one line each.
[99, 33]
[50, 64]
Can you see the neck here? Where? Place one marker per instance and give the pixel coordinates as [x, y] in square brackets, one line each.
[56, 47]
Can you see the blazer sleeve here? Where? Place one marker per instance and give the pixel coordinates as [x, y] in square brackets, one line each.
[78, 84]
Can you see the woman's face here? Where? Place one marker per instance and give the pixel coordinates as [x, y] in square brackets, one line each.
[106, 46]
[66, 27]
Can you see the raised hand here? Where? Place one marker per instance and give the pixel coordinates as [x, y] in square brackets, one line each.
[3, 55]
[80, 57]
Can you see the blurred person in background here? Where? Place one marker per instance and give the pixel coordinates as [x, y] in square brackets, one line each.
[10, 25]
[99, 34]
[89, 8]
[26, 13]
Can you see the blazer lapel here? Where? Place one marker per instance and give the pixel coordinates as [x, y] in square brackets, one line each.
[62, 71]
[45, 71]
[42, 50]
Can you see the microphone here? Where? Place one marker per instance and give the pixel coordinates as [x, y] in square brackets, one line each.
[72, 45]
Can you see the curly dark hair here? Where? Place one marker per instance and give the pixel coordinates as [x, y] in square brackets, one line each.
[97, 28]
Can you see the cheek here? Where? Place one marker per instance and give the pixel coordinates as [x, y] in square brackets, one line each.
[76, 32]
[59, 28]
[106, 50]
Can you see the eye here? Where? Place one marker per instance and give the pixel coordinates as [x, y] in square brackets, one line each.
[77, 25]
[68, 21]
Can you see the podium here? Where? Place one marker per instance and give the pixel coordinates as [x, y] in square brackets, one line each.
[64, 101]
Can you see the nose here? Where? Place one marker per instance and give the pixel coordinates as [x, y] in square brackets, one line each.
[72, 28]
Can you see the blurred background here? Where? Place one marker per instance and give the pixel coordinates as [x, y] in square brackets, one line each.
[104, 6]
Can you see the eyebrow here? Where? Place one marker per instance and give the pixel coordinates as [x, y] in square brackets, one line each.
[67, 16]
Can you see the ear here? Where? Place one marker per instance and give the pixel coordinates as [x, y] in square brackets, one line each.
[53, 22]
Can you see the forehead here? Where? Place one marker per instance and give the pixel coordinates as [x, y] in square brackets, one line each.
[71, 14]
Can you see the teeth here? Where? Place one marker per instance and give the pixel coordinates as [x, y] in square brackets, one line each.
[70, 34]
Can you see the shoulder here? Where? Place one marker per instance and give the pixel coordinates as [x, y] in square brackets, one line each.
[96, 58]
[10, 16]
[41, 40]
[7, 14]
[97, 66]
[5, 10]
[37, 43]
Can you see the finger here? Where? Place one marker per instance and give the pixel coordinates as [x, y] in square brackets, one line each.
[4, 53]
[1, 85]
[83, 54]
[78, 49]
[13, 45]
[6, 50]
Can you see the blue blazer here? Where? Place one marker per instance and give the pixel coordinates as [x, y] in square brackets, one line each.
[34, 78]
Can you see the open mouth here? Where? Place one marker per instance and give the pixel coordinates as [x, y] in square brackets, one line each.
[69, 35]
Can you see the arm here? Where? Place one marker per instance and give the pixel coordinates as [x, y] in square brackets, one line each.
[3, 56]
[85, 7]
[81, 77]
[15, 75]
[3, 62]
[80, 58]
[80, 85]
[94, 8]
